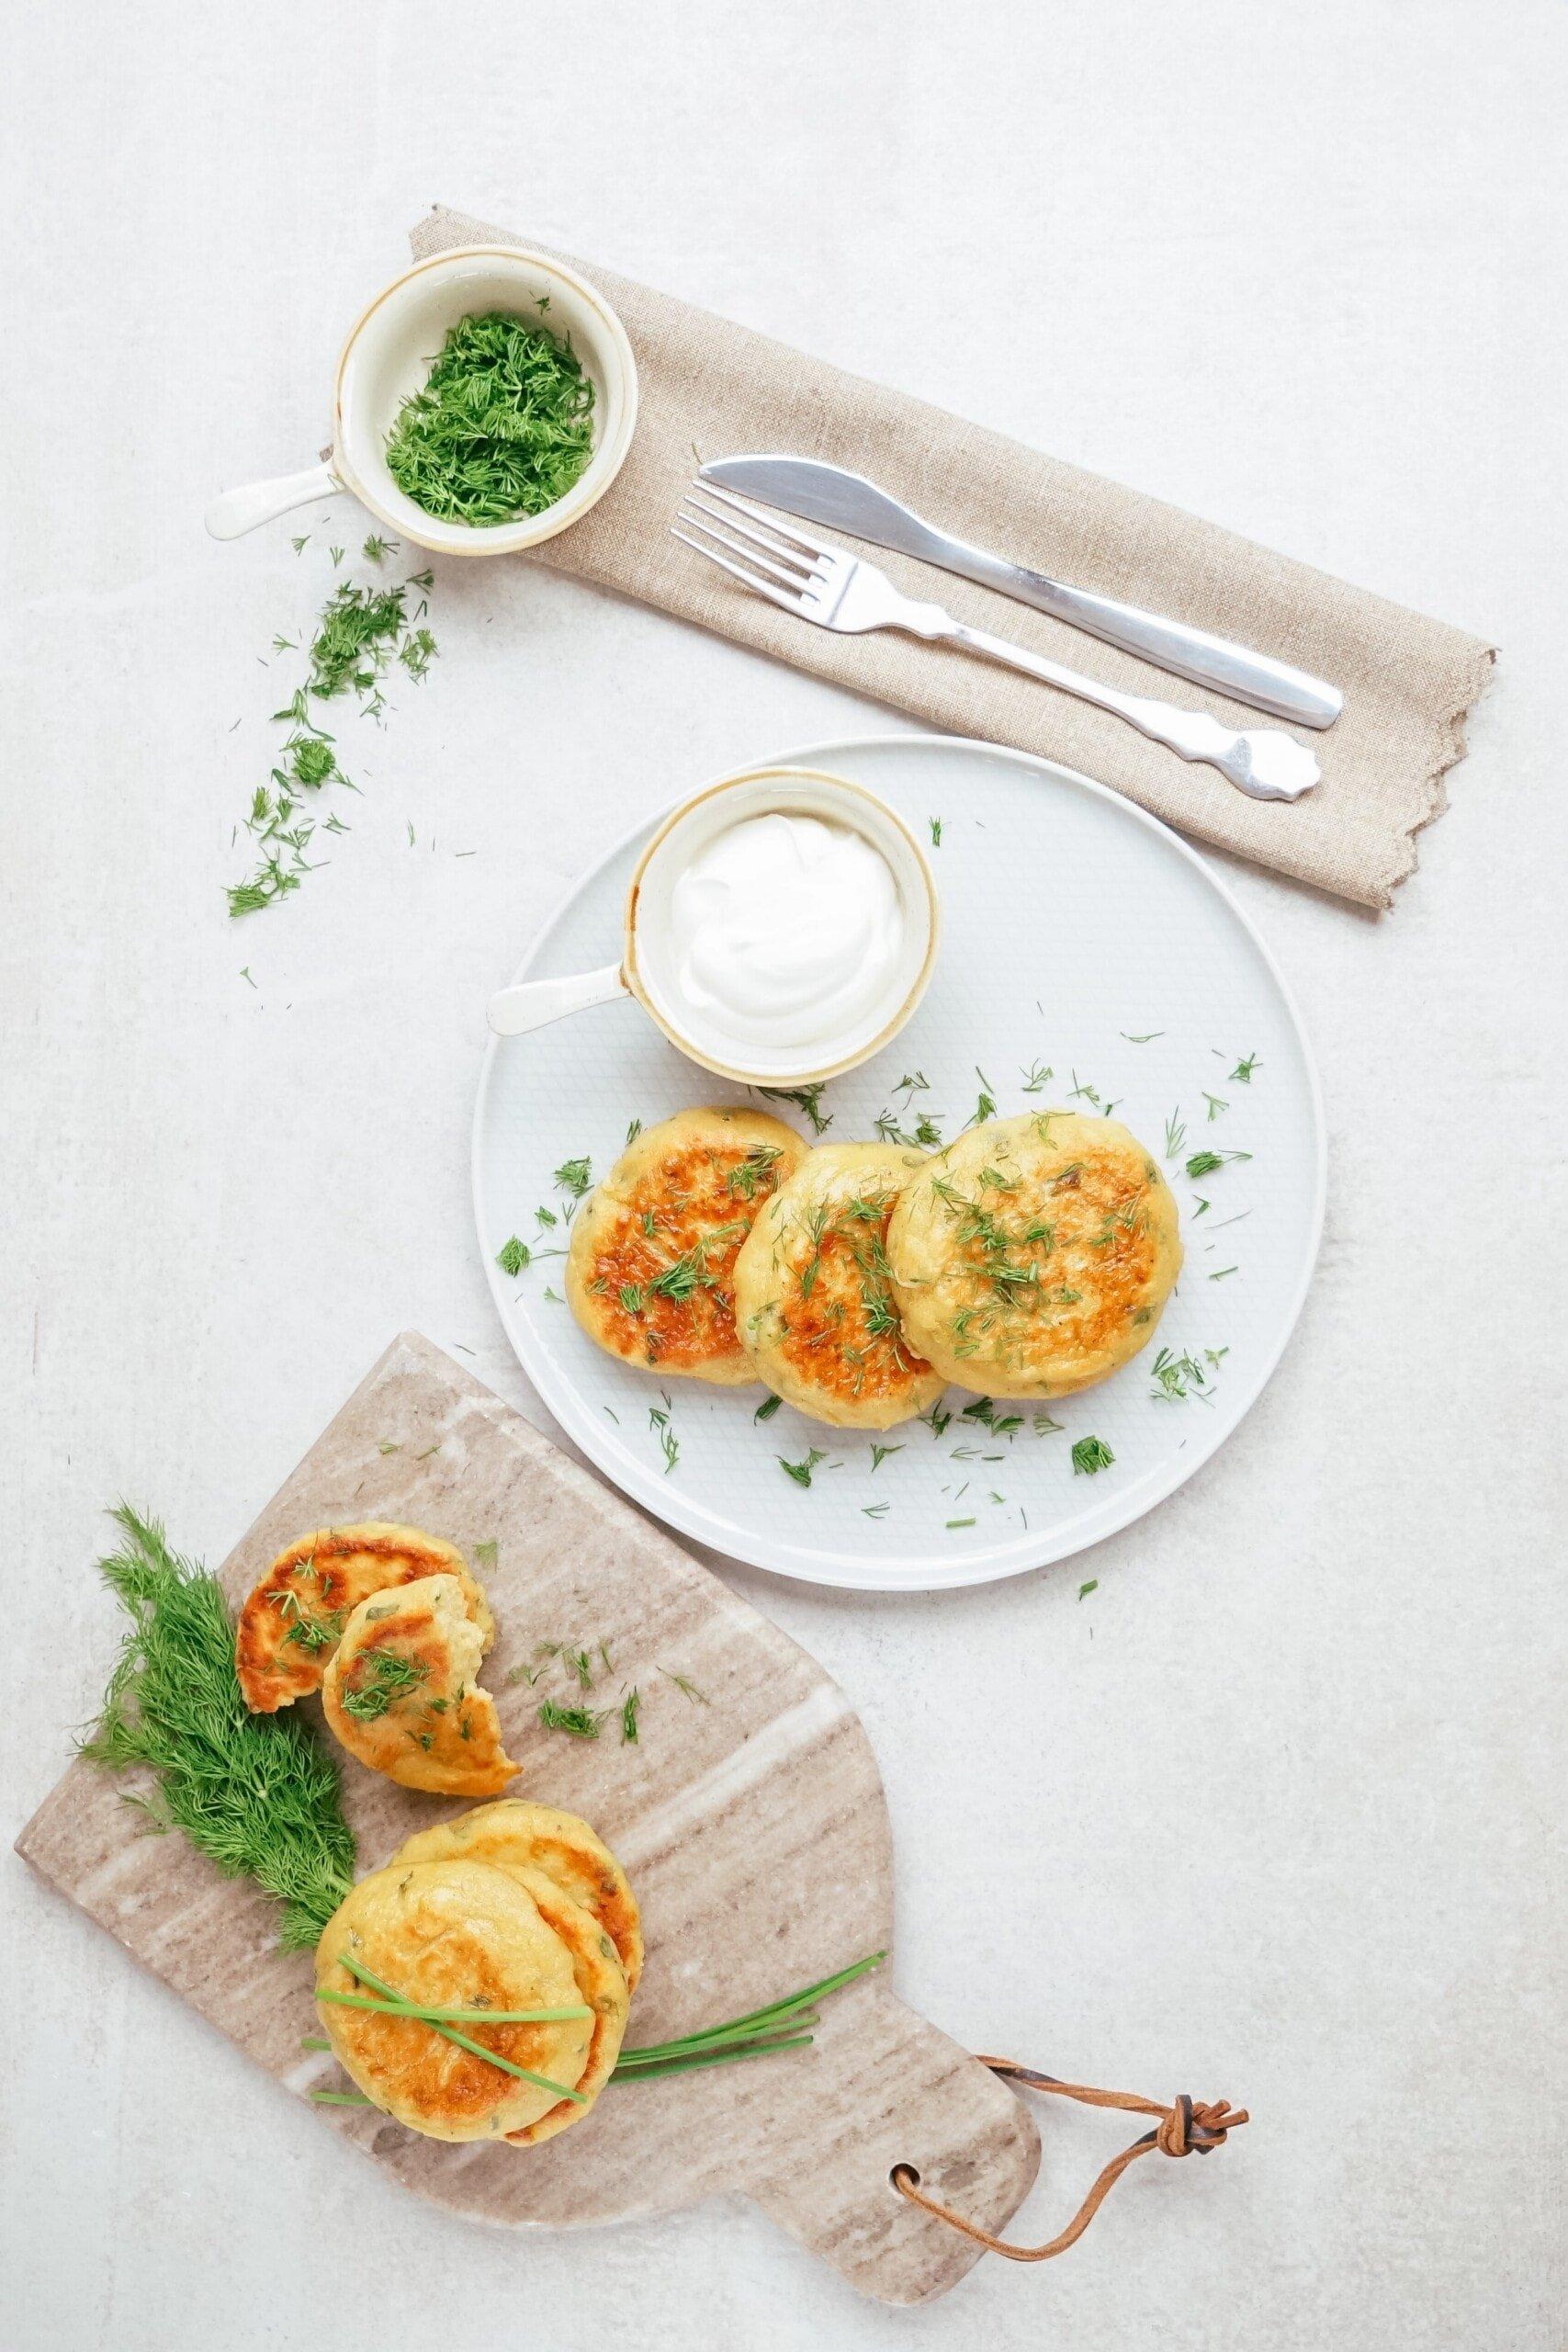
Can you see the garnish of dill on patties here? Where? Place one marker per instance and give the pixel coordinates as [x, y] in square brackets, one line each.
[503, 428]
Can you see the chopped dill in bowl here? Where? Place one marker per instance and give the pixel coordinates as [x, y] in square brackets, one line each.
[502, 429]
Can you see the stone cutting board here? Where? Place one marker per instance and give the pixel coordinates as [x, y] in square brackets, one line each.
[752, 1822]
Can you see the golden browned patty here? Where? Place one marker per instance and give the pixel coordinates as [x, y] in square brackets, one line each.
[649, 1272]
[601, 1982]
[814, 1300]
[461, 1935]
[295, 1616]
[1035, 1255]
[401, 1692]
[541, 1838]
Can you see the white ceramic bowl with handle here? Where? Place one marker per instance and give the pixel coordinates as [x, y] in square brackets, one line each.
[387, 354]
[645, 969]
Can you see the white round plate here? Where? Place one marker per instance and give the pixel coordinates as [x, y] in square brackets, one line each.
[1078, 935]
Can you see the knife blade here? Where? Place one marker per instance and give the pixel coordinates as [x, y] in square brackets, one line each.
[841, 501]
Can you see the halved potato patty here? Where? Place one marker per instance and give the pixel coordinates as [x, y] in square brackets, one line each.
[460, 1935]
[1034, 1256]
[296, 1613]
[814, 1299]
[648, 1273]
[542, 1838]
[401, 1692]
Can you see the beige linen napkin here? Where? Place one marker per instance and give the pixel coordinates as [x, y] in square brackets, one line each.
[712, 387]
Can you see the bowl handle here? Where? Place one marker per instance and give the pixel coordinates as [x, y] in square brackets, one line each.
[237, 511]
[533, 1003]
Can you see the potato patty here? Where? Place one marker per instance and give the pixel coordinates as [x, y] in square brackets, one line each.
[649, 1272]
[1035, 1255]
[400, 1692]
[542, 1838]
[813, 1293]
[462, 1934]
[294, 1618]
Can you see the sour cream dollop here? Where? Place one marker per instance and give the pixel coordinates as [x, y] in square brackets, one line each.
[786, 932]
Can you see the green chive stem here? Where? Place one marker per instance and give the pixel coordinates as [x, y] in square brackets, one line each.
[463, 2040]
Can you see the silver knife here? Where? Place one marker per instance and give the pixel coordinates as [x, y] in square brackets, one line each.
[846, 502]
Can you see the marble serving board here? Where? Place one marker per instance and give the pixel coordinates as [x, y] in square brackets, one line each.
[750, 1819]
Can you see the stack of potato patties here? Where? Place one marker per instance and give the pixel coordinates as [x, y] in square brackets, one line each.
[512, 1908]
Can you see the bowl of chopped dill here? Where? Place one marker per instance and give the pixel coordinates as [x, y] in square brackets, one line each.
[484, 401]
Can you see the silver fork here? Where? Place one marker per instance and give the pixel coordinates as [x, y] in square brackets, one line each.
[839, 590]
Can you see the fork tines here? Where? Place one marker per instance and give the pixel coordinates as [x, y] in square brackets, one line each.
[778, 560]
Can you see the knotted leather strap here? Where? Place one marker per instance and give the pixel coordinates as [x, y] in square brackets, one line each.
[1184, 2127]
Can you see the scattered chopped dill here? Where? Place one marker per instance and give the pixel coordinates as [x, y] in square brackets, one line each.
[658, 1420]
[581, 1722]
[1216, 1103]
[805, 1098]
[1043, 1424]
[633, 1129]
[1090, 1454]
[256, 1794]
[513, 1257]
[1204, 1163]
[629, 1706]
[879, 1455]
[985, 1107]
[767, 1408]
[487, 1552]
[935, 824]
[961, 1523]
[575, 1176]
[688, 1690]
[1175, 1135]
[801, 1471]
[1085, 1590]
[358, 632]
[1242, 1074]
[503, 428]
[936, 1420]
[1147, 1038]
[376, 547]
[388, 1445]
[380, 1679]
[1037, 1078]
[875, 1511]
[1223, 1273]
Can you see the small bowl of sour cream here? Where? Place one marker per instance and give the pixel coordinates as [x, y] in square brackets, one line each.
[781, 927]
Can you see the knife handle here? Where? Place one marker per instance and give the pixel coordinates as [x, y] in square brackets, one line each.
[1194, 653]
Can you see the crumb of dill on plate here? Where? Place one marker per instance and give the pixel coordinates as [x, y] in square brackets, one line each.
[503, 428]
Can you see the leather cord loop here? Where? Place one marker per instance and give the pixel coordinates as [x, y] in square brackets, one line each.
[1187, 2127]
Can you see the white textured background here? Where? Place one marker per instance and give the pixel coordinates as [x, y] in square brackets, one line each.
[1273, 1813]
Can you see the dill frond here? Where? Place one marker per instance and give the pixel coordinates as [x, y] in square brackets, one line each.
[256, 1794]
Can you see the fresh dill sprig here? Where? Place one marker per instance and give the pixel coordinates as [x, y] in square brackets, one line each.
[575, 1176]
[1090, 1454]
[581, 1722]
[801, 1471]
[658, 1422]
[1204, 1163]
[805, 1098]
[629, 1706]
[503, 428]
[256, 1794]
[512, 1256]
[767, 1408]
[935, 824]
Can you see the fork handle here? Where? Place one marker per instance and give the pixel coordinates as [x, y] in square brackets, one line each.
[1264, 762]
